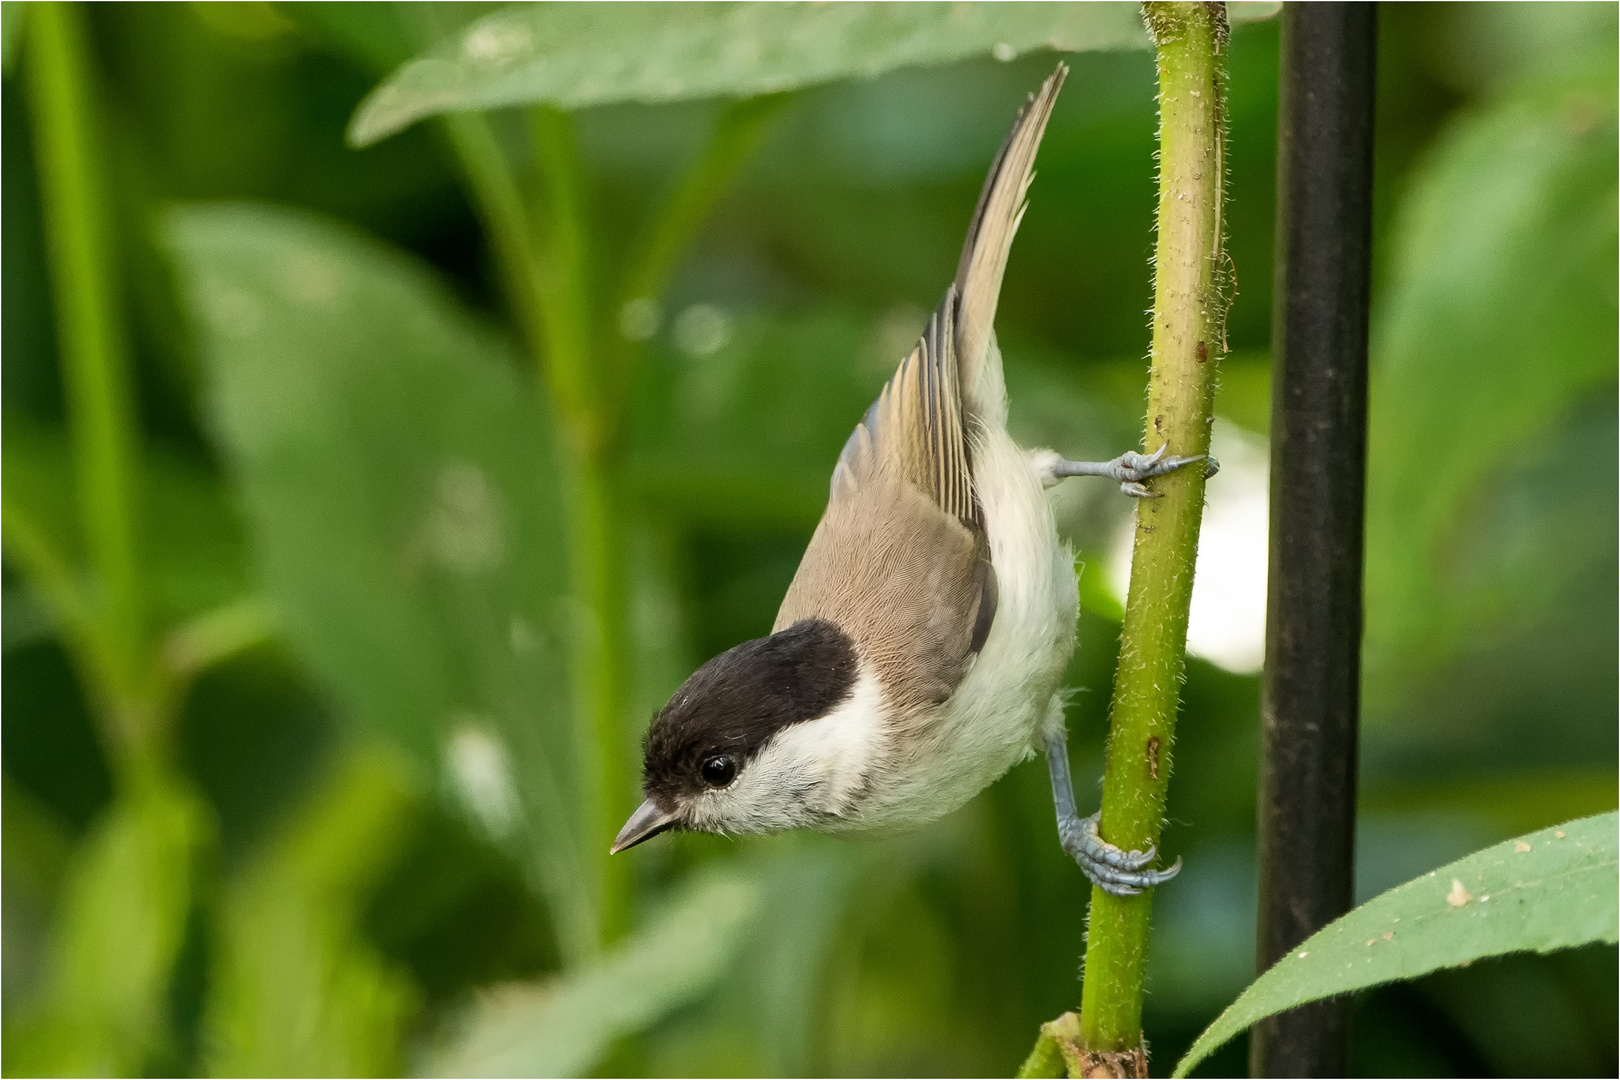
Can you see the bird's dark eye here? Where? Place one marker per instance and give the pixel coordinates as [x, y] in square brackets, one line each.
[719, 771]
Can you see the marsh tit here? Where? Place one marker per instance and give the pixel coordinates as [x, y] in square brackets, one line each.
[919, 651]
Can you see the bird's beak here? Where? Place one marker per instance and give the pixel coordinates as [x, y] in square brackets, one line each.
[647, 822]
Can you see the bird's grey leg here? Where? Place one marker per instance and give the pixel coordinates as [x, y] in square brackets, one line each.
[1112, 869]
[1131, 468]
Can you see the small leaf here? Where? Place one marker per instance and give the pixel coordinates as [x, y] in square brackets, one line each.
[562, 1028]
[573, 55]
[1557, 894]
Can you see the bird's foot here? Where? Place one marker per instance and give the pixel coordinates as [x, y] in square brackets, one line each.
[1110, 868]
[1131, 469]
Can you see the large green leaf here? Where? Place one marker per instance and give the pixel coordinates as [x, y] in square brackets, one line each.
[562, 1028]
[578, 54]
[1497, 318]
[1549, 890]
[398, 484]
[295, 989]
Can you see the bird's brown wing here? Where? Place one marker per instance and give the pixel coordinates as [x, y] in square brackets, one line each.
[900, 560]
[990, 235]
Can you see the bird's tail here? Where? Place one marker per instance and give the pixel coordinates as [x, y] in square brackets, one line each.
[989, 238]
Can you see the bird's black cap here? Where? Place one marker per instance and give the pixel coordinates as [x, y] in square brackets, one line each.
[732, 705]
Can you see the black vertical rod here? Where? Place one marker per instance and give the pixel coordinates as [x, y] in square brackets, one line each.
[1310, 694]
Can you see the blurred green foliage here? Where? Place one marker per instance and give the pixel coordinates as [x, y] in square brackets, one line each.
[364, 852]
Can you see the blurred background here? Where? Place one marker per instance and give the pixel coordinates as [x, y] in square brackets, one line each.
[343, 829]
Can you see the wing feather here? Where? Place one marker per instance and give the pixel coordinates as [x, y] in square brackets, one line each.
[915, 431]
[995, 223]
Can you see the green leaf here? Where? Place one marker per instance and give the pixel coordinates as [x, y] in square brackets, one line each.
[295, 989]
[1498, 317]
[573, 55]
[119, 929]
[562, 1028]
[398, 483]
[1549, 890]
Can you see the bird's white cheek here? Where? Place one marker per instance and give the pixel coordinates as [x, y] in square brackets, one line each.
[839, 751]
[806, 772]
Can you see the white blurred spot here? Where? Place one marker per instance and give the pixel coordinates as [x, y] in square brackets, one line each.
[702, 329]
[496, 43]
[478, 764]
[1227, 624]
[1003, 52]
[639, 319]
[464, 529]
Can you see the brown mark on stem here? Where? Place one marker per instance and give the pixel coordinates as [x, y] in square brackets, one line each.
[1153, 756]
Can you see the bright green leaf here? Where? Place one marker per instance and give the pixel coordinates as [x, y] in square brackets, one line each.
[562, 1028]
[1549, 890]
[577, 54]
[398, 482]
[296, 990]
[122, 919]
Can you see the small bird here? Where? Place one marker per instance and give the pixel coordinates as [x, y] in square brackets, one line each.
[918, 653]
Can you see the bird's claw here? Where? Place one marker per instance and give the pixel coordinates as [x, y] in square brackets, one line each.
[1112, 869]
[1131, 468]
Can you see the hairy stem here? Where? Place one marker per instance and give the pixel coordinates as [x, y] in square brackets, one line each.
[1188, 313]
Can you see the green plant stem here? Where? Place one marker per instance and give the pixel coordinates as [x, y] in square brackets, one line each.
[499, 203]
[737, 134]
[1187, 317]
[1053, 1048]
[591, 463]
[562, 275]
[96, 368]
